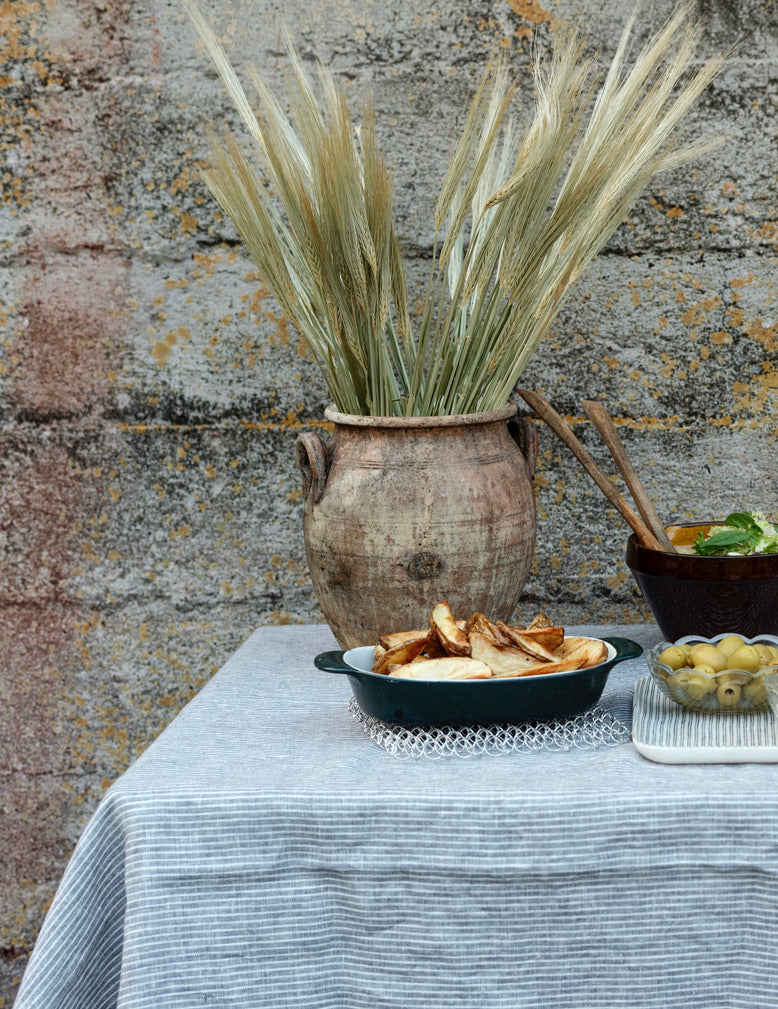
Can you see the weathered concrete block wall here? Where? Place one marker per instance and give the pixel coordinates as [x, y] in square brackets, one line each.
[151, 393]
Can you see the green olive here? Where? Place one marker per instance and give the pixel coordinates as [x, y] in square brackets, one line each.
[708, 655]
[729, 644]
[699, 685]
[734, 676]
[755, 691]
[766, 657]
[679, 683]
[728, 694]
[673, 657]
[730, 687]
[747, 658]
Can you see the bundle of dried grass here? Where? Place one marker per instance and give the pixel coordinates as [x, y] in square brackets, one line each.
[519, 217]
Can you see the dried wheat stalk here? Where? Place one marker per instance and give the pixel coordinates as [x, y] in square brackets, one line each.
[519, 216]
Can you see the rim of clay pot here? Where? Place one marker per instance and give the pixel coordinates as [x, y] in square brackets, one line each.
[453, 420]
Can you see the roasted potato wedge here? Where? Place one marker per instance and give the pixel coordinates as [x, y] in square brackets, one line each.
[587, 651]
[479, 623]
[480, 648]
[503, 660]
[538, 621]
[581, 654]
[535, 648]
[548, 637]
[544, 668]
[452, 667]
[406, 651]
[434, 649]
[388, 641]
[451, 636]
[530, 643]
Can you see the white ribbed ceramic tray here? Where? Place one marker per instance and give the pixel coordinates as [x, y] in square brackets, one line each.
[668, 733]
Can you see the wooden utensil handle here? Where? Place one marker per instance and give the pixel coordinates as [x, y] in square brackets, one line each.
[560, 428]
[599, 416]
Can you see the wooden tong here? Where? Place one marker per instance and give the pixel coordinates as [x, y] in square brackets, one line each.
[649, 529]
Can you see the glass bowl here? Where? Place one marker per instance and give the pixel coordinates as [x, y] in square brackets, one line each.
[732, 691]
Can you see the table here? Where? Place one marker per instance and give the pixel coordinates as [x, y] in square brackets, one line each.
[265, 852]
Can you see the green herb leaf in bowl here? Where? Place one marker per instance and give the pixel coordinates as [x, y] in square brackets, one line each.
[742, 533]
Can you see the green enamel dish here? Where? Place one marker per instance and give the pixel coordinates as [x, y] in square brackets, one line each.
[511, 700]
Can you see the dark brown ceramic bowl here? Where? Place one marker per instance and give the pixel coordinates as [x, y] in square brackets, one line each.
[690, 594]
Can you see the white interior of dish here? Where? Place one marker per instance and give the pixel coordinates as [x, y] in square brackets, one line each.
[362, 659]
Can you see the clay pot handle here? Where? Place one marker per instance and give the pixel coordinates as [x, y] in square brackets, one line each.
[314, 464]
[525, 434]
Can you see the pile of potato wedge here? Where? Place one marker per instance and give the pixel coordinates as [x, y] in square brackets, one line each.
[479, 649]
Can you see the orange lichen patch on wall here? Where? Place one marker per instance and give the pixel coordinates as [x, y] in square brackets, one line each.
[15, 20]
[692, 315]
[206, 264]
[281, 336]
[738, 283]
[766, 335]
[255, 299]
[162, 348]
[769, 379]
[735, 317]
[183, 180]
[661, 323]
[767, 232]
[751, 326]
[530, 10]
[19, 109]
[669, 365]
[759, 394]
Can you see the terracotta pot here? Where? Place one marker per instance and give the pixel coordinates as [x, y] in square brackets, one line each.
[402, 513]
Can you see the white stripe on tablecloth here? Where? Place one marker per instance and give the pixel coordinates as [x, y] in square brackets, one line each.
[307, 928]
[264, 855]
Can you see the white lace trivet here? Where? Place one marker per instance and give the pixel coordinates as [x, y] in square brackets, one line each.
[593, 728]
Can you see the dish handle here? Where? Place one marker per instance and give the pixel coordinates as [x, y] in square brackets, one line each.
[626, 648]
[332, 662]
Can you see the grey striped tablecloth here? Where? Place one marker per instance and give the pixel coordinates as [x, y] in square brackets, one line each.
[264, 852]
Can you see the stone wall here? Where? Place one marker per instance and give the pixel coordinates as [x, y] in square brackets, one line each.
[151, 392]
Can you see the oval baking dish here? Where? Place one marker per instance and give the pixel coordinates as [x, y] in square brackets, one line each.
[496, 701]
